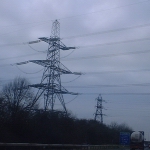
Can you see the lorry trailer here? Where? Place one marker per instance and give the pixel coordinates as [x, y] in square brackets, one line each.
[137, 140]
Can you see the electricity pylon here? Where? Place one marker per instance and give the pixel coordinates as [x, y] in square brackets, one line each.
[50, 85]
[99, 109]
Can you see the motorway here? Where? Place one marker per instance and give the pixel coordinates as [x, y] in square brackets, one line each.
[31, 146]
[129, 149]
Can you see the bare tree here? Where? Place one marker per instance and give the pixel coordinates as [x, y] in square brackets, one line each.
[17, 96]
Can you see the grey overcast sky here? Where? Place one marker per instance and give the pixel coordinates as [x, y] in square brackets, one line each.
[113, 40]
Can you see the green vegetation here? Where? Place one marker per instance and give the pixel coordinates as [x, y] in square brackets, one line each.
[21, 121]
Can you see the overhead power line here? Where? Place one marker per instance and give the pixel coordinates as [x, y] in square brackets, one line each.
[107, 31]
[30, 72]
[110, 86]
[113, 43]
[108, 9]
[37, 23]
[133, 94]
[125, 109]
[32, 54]
[94, 45]
[23, 43]
[93, 85]
[83, 35]
[97, 56]
[108, 55]
[118, 71]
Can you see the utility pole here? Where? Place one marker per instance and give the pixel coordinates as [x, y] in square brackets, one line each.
[50, 86]
[99, 108]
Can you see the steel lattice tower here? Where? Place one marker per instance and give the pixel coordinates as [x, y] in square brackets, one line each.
[99, 109]
[50, 85]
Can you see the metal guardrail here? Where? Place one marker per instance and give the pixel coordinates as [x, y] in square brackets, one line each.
[34, 146]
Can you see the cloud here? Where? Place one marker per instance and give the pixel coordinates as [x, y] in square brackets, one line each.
[24, 21]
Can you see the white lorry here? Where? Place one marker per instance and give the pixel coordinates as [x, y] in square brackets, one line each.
[137, 140]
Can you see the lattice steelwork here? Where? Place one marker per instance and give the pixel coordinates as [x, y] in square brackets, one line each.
[50, 85]
[99, 109]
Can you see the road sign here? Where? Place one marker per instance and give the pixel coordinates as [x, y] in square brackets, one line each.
[124, 138]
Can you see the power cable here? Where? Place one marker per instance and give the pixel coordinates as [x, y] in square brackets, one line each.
[98, 56]
[20, 56]
[106, 72]
[23, 43]
[124, 103]
[72, 99]
[18, 24]
[125, 109]
[27, 72]
[113, 43]
[110, 86]
[73, 79]
[108, 55]
[107, 31]
[102, 10]
[5, 65]
[117, 94]
[20, 29]
[11, 44]
[96, 86]
[89, 34]
[127, 116]
[42, 22]
[118, 71]
[36, 50]
[68, 54]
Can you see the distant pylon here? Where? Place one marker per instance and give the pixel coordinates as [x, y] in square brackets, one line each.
[50, 85]
[99, 107]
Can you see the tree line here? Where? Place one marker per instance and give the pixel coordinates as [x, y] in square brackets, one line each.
[22, 121]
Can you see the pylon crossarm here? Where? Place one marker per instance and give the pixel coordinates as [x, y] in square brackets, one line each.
[62, 90]
[32, 42]
[44, 63]
[55, 87]
[68, 48]
[65, 92]
[22, 63]
[65, 70]
[39, 62]
[62, 71]
[77, 73]
[45, 39]
[72, 93]
[64, 47]
[51, 39]
[47, 63]
[42, 86]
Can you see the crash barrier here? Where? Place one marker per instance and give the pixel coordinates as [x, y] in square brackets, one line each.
[30, 146]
